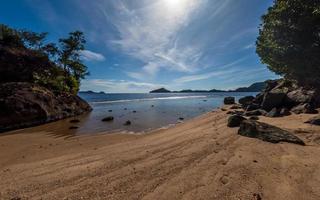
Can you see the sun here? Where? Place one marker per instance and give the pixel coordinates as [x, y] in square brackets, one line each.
[173, 4]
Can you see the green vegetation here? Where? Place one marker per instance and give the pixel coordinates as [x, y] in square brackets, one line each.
[28, 58]
[289, 40]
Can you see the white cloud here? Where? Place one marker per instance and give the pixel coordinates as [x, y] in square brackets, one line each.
[150, 34]
[118, 86]
[92, 56]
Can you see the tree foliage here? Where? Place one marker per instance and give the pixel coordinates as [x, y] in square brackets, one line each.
[64, 68]
[289, 40]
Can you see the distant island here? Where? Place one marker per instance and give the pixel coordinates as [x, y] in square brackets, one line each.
[91, 92]
[255, 87]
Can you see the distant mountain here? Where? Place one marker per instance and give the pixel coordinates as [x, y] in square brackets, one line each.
[256, 87]
[91, 92]
[161, 90]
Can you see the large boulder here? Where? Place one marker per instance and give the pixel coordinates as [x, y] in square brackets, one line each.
[229, 100]
[25, 104]
[314, 121]
[275, 112]
[299, 96]
[245, 101]
[273, 100]
[266, 132]
[235, 120]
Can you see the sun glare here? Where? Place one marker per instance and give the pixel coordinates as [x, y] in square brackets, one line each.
[174, 4]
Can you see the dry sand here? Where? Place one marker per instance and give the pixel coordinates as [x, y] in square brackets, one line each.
[198, 159]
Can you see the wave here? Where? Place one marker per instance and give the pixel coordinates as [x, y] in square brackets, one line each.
[149, 99]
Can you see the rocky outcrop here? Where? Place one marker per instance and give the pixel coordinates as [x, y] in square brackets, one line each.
[281, 97]
[266, 132]
[25, 104]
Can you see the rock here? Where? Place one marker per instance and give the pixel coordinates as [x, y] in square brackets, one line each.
[229, 100]
[235, 112]
[245, 101]
[25, 104]
[314, 121]
[108, 119]
[73, 127]
[304, 108]
[234, 107]
[255, 113]
[235, 120]
[74, 121]
[109, 110]
[266, 132]
[273, 100]
[127, 123]
[134, 111]
[252, 107]
[285, 112]
[255, 118]
[273, 113]
[125, 109]
[181, 118]
[299, 96]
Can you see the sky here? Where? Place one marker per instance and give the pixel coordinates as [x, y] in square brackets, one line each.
[140, 45]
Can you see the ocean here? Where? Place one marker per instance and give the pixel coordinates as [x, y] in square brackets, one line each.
[145, 111]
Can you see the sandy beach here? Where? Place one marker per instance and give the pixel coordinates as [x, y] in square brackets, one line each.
[199, 159]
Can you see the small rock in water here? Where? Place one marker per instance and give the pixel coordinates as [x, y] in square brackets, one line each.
[108, 119]
[110, 110]
[127, 123]
[152, 106]
[74, 121]
[125, 109]
[73, 127]
[134, 111]
[205, 100]
[181, 118]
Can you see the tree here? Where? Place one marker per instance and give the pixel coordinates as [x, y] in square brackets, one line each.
[70, 55]
[289, 40]
[33, 40]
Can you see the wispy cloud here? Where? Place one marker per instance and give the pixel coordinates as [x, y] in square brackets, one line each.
[92, 56]
[118, 86]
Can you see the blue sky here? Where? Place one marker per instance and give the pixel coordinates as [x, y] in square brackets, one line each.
[139, 45]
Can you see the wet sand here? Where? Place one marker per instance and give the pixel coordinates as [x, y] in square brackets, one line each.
[199, 159]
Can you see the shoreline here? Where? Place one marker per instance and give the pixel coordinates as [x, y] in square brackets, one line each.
[199, 159]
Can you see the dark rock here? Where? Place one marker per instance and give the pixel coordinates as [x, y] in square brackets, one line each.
[245, 101]
[273, 100]
[255, 118]
[74, 121]
[285, 112]
[181, 118]
[73, 127]
[235, 107]
[125, 109]
[273, 113]
[108, 119]
[255, 113]
[235, 120]
[229, 100]
[299, 96]
[314, 121]
[152, 106]
[127, 123]
[235, 112]
[25, 105]
[134, 111]
[266, 132]
[304, 108]
[252, 107]
[109, 110]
